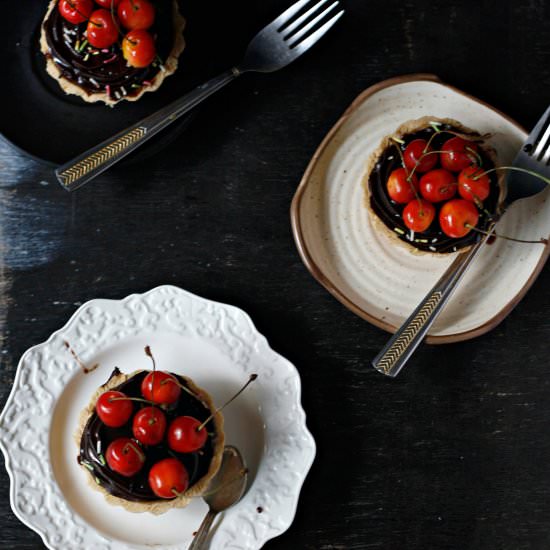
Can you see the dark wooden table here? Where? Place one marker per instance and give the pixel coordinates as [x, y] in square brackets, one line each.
[455, 453]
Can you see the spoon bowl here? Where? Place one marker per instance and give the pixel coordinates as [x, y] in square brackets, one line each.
[226, 488]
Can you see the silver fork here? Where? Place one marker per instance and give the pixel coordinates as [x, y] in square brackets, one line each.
[534, 156]
[274, 47]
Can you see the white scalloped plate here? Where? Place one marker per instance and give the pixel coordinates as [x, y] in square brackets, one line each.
[371, 275]
[215, 344]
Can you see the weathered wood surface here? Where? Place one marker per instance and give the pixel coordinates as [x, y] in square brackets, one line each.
[452, 455]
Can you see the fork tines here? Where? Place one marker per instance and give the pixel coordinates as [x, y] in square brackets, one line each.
[541, 142]
[296, 26]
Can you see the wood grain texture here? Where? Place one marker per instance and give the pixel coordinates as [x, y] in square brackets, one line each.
[453, 454]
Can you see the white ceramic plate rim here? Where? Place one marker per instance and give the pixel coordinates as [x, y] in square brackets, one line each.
[235, 529]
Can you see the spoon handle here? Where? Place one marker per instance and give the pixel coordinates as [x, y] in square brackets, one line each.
[202, 533]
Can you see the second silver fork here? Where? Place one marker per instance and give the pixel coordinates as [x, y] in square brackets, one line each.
[534, 156]
[275, 46]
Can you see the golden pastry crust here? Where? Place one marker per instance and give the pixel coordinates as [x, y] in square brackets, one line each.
[170, 65]
[411, 127]
[158, 506]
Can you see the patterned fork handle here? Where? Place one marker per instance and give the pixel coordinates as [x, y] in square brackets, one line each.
[402, 344]
[87, 166]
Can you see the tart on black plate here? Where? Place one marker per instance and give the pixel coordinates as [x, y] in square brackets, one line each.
[111, 50]
[150, 440]
[432, 187]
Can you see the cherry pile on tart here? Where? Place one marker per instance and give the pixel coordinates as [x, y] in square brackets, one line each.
[111, 50]
[433, 186]
[150, 440]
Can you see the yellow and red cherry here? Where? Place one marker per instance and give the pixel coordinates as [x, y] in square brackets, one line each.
[136, 14]
[168, 478]
[125, 456]
[438, 185]
[400, 189]
[415, 155]
[161, 388]
[473, 185]
[102, 31]
[186, 435]
[114, 408]
[76, 11]
[457, 217]
[138, 48]
[457, 154]
[149, 425]
[418, 215]
[108, 3]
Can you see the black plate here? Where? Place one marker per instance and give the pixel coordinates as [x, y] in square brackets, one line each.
[41, 120]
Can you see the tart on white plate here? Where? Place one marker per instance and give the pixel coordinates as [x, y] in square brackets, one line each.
[150, 441]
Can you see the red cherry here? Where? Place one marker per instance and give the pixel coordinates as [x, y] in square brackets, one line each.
[417, 150]
[168, 477]
[438, 185]
[124, 456]
[456, 215]
[149, 425]
[102, 30]
[165, 390]
[114, 408]
[473, 184]
[136, 14]
[418, 215]
[184, 436]
[76, 11]
[138, 48]
[456, 155]
[399, 189]
[108, 3]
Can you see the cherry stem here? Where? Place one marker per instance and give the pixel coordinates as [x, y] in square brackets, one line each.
[408, 178]
[250, 380]
[135, 449]
[110, 400]
[184, 388]
[530, 172]
[114, 18]
[477, 230]
[149, 353]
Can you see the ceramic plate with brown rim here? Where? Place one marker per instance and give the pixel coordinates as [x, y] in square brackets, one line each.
[371, 275]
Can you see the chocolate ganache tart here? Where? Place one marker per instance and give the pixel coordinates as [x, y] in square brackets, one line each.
[146, 442]
[111, 50]
[431, 186]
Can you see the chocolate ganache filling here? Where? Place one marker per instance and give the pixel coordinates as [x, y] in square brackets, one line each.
[96, 437]
[390, 212]
[105, 70]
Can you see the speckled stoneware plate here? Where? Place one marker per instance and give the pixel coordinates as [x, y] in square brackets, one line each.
[216, 345]
[379, 280]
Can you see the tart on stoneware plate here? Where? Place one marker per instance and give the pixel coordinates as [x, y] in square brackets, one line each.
[430, 186]
[143, 444]
[111, 50]
[347, 237]
[211, 349]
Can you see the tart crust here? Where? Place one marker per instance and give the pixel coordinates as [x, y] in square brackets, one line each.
[411, 127]
[170, 65]
[157, 507]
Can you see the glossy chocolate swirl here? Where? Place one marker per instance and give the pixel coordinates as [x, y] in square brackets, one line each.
[390, 212]
[105, 70]
[97, 436]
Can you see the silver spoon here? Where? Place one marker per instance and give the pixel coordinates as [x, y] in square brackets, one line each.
[226, 488]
